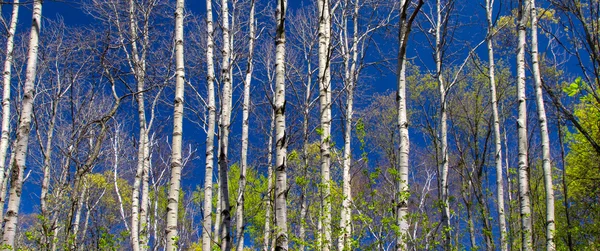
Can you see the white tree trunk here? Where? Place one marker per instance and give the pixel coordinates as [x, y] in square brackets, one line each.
[525, 205]
[269, 205]
[225, 122]
[546, 159]
[210, 134]
[497, 137]
[176, 164]
[245, 124]
[325, 106]
[6, 79]
[23, 130]
[404, 142]
[281, 243]
[443, 128]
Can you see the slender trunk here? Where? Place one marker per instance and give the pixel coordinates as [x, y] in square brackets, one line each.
[564, 184]
[143, 223]
[350, 61]
[305, 135]
[525, 205]
[325, 106]
[116, 177]
[497, 136]
[76, 222]
[447, 229]
[404, 142]
[245, 124]
[546, 159]
[210, 134]
[46, 176]
[224, 130]
[269, 204]
[281, 189]
[176, 164]
[23, 130]
[6, 79]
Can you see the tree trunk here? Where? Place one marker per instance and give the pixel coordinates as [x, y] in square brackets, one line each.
[497, 137]
[246, 110]
[224, 130]
[404, 142]
[210, 134]
[546, 159]
[325, 130]
[176, 164]
[281, 189]
[443, 129]
[525, 205]
[23, 130]
[269, 204]
[6, 79]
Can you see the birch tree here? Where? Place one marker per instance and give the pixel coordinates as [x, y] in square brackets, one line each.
[245, 125]
[524, 194]
[281, 239]
[324, 240]
[224, 125]
[176, 152]
[6, 80]
[210, 134]
[546, 159]
[23, 130]
[405, 23]
[489, 6]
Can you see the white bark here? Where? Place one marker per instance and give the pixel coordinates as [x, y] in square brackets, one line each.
[115, 146]
[6, 79]
[176, 159]
[23, 130]
[497, 137]
[225, 122]
[268, 202]
[210, 134]
[245, 124]
[281, 239]
[525, 205]
[350, 55]
[325, 106]
[443, 128]
[546, 159]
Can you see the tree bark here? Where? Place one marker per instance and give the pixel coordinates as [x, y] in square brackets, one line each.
[497, 137]
[6, 79]
[23, 130]
[525, 205]
[245, 123]
[225, 122]
[405, 26]
[269, 204]
[546, 159]
[281, 189]
[210, 134]
[325, 130]
[176, 164]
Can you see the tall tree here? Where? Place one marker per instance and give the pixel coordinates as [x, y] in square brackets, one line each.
[524, 194]
[6, 80]
[210, 134]
[281, 239]
[325, 240]
[406, 20]
[245, 125]
[176, 152]
[224, 126]
[489, 7]
[23, 130]
[546, 159]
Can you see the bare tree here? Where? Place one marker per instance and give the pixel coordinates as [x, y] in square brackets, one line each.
[176, 154]
[546, 159]
[281, 239]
